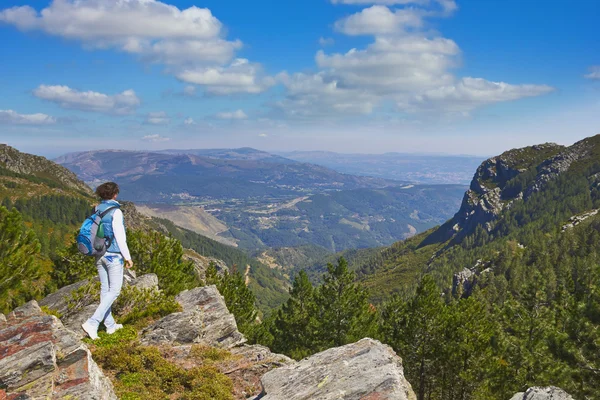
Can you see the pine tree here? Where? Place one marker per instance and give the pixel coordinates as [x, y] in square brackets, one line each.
[19, 249]
[294, 324]
[153, 252]
[415, 330]
[240, 300]
[343, 312]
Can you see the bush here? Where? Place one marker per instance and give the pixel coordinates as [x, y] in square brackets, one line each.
[156, 253]
[19, 270]
[140, 306]
[208, 354]
[141, 372]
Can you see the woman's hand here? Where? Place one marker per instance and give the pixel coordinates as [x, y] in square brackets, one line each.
[128, 264]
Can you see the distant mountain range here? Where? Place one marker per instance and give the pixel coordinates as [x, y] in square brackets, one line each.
[172, 178]
[258, 200]
[427, 169]
[244, 153]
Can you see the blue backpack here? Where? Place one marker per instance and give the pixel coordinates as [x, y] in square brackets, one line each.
[91, 240]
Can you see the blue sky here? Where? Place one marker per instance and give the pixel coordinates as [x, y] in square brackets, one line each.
[441, 76]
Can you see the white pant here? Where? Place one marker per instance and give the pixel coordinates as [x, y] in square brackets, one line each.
[110, 270]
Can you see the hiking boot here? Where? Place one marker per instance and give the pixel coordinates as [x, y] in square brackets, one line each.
[91, 330]
[115, 328]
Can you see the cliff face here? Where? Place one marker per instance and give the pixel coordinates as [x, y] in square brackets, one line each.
[511, 177]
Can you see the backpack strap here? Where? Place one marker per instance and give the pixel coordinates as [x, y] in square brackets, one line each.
[109, 209]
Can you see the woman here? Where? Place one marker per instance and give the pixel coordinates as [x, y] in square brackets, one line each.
[110, 265]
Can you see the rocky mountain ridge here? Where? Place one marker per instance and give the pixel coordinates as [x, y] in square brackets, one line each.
[513, 176]
[162, 177]
[28, 164]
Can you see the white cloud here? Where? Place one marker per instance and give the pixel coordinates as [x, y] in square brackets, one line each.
[594, 72]
[155, 138]
[393, 65]
[106, 21]
[14, 118]
[323, 41]
[406, 64]
[120, 104]
[263, 135]
[320, 96]
[185, 40]
[189, 121]
[240, 76]
[467, 94]
[157, 118]
[379, 20]
[238, 114]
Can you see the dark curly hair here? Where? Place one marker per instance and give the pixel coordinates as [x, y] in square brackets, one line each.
[107, 190]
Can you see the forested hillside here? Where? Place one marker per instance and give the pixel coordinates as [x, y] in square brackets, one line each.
[519, 270]
[42, 205]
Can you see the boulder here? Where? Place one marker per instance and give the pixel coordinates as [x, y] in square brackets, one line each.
[363, 370]
[204, 319]
[543, 393]
[40, 358]
[148, 281]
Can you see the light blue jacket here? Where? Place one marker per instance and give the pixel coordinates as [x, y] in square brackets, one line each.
[107, 224]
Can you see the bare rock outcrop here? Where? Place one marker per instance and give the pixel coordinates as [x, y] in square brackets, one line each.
[40, 358]
[578, 219]
[543, 393]
[201, 263]
[205, 319]
[363, 370]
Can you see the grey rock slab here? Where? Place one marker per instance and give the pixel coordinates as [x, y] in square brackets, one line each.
[181, 327]
[543, 393]
[74, 320]
[148, 281]
[27, 365]
[205, 319]
[363, 370]
[31, 309]
[59, 300]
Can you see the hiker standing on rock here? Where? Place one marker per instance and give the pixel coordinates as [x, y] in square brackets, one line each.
[110, 265]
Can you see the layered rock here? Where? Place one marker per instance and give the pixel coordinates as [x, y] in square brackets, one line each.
[561, 162]
[543, 393]
[363, 370]
[205, 319]
[40, 358]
